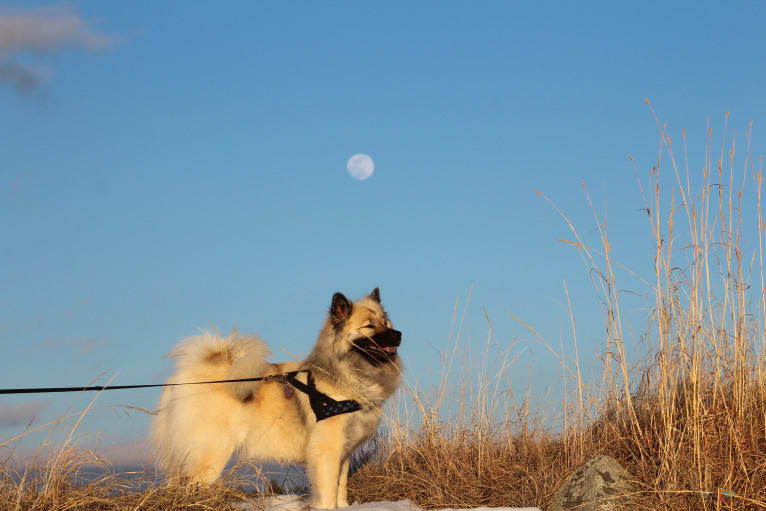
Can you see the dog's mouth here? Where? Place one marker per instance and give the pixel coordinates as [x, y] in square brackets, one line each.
[381, 348]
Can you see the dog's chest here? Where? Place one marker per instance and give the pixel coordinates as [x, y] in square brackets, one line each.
[361, 425]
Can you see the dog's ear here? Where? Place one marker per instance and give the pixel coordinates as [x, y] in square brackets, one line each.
[340, 309]
[375, 295]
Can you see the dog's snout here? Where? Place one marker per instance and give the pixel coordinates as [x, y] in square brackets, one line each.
[396, 335]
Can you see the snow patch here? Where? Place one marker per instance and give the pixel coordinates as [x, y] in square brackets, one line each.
[294, 503]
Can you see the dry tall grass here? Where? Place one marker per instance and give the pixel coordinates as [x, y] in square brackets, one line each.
[64, 483]
[689, 423]
[69, 477]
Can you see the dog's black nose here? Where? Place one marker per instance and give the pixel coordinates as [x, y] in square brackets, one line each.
[396, 336]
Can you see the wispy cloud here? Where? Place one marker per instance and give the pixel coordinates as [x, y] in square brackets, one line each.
[38, 32]
[126, 453]
[90, 344]
[20, 415]
[123, 453]
[24, 78]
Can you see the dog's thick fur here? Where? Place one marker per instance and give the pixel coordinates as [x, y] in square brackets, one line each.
[198, 427]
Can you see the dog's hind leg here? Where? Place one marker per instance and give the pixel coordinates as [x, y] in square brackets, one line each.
[206, 461]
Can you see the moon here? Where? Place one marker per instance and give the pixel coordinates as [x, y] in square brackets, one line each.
[360, 166]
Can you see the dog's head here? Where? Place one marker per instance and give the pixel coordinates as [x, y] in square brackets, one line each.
[364, 329]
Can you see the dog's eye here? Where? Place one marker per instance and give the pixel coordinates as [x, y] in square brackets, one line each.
[369, 326]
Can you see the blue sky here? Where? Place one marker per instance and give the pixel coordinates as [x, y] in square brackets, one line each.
[178, 165]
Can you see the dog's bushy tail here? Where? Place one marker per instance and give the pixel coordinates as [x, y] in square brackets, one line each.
[183, 410]
[234, 357]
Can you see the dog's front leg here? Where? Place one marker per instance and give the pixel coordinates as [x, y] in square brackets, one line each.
[342, 480]
[323, 460]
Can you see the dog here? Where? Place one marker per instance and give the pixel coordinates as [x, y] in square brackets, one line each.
[197, 428]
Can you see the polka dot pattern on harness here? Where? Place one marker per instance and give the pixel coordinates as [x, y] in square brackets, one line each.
[337, 408]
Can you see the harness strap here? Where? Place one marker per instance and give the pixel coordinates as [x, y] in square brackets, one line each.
[323, 405]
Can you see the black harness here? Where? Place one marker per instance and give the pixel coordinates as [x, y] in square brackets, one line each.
[323, 405]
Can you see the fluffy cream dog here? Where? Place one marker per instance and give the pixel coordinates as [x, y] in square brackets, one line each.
[199, 427]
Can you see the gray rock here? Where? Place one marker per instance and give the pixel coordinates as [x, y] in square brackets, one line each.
[595, 486]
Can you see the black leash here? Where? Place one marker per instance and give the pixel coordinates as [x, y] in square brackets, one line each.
[323, 405]
[42, 390]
